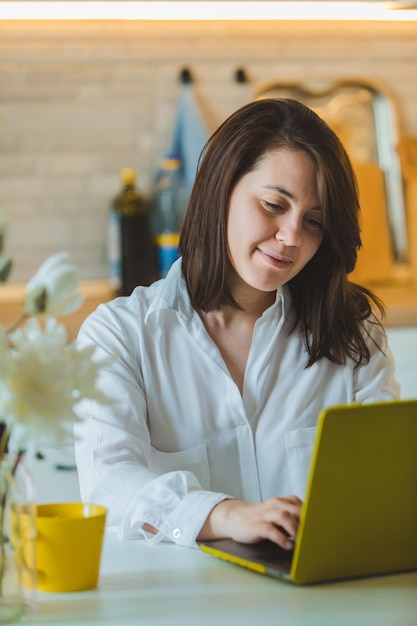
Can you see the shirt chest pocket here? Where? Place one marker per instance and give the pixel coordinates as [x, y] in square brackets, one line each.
[194, 460]
[299, 446]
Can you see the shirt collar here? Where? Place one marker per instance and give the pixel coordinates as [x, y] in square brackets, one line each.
[172, 294]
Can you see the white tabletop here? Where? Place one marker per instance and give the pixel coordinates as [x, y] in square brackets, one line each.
[164, 584]
[145, 584]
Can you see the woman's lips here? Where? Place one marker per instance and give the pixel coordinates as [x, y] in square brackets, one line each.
[279, 261]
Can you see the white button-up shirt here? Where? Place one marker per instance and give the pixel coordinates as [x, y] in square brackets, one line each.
[180, 436]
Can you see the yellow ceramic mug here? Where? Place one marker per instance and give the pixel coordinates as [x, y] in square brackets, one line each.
[69, 541]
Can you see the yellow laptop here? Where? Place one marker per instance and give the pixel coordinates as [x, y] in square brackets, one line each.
[359, 517]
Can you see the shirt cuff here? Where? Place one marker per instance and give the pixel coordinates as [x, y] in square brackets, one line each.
[185, 522]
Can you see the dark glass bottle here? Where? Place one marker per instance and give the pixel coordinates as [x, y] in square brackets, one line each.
[129, 239]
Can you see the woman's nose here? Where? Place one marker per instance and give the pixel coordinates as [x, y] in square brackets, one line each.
[289, 231]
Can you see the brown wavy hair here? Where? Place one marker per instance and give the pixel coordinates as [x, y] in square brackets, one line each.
[329, 309]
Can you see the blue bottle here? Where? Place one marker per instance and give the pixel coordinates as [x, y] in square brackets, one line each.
[168, 205]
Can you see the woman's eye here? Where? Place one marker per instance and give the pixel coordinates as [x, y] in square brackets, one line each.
[271, 206]
[314, 223]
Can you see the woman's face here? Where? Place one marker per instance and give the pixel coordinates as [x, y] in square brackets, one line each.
[274, 222]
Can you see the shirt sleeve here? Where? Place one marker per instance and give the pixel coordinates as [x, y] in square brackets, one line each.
[376, 381]
[113, 449]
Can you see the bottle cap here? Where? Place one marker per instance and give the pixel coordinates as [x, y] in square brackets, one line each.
[128, 176]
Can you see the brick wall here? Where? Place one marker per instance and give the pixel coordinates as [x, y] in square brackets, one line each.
[79, 101]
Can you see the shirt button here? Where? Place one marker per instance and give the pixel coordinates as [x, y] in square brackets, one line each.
[176, 533]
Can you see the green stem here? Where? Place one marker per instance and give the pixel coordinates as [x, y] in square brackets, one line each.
[19, 457]
[2, 538]
[3, 551]
[24, 316]
[3, 446]
[3, 504]
[3, 440]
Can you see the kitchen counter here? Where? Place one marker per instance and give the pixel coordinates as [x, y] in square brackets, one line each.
[399, 299]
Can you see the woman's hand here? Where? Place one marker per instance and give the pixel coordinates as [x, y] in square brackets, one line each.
[276, 519]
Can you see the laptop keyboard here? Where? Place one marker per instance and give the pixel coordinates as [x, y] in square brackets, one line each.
[268, 553]
[264, 552]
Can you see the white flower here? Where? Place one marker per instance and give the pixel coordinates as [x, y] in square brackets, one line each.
[50, 291]
[42, 378]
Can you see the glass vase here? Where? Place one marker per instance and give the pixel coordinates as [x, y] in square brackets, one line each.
[11, 589]
[25, 503]
[17, 540]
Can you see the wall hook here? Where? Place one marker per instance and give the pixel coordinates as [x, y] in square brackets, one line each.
[241, 76]
[185, 76]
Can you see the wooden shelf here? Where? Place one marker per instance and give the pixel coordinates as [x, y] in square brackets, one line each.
[95, 292]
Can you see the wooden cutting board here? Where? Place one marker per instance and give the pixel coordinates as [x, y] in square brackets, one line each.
[407, 150]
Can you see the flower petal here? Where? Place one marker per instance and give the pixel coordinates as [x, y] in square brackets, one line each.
[42, 380]
[68, 305]
[51, 290]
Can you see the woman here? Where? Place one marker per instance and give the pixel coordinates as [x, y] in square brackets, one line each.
[224, 366]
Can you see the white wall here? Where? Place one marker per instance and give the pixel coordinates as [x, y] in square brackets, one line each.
[79, 101]
[403, 343]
